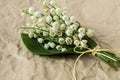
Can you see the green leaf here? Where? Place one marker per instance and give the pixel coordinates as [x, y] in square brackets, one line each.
[37, 48]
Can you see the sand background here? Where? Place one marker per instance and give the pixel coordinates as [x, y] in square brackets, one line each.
[17, 63]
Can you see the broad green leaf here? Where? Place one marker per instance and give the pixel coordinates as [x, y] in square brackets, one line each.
[37, 48]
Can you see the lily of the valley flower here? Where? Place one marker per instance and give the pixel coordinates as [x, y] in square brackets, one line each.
[59, 47]
[61, 40]
[76, 42]
[46, 46]
[40, 40]
[90, 33]
[81, 30]
[84, 43]
[81, 35]
[68, 40]
[52, 44]
[31, 10]
[64, 50]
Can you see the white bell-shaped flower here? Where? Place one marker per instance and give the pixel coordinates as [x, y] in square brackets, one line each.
[40, 40]
[81, 30]
[75, 36]
[52, 2]
[68, 22]
[65, 11]
[56, 26]
[89, 33]
[31, 10]
[46, 46]
[52, 44]
[59, 33]
[73, 27]
[36, 14]
[52, 33]
[64, 50]
[76, 42]
[33, 17]
[65, 17]
[45, 3]
[62, 27]
[35, 35]
[59, 47]
[84, 43]
[31, 34]
[58, 11]
[81, 35]
[72, 18]
[69, 32]
[68, 40]
[48, 19]
[45, 33]
[41, 20]
[61, 40]
[56, 17]
[52, 11]
[22, 14]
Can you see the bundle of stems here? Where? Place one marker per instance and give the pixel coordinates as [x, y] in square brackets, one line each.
[105, 55]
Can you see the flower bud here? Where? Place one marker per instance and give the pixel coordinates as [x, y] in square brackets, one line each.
[31, 10]
[46, 46]
[68, 22]
[64, 50]
[52, 44]
[53, 3]
[32, 17]
[36, 14]
[52, 11]
[48, 19]
[45, 33]
[65, 11]
[65, 18]
[58, 11]
[56, 26]
[35, 35]
[38, 31]
[55, 17]
[40, 40]
[31, 34]
[62, 27]
[90, 33]
[45, 3]
[22, 13]
[72, 18]
[41, 20]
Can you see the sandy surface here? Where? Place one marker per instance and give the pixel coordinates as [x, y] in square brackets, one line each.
[17, 63]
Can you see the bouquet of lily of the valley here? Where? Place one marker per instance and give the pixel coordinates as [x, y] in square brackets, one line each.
[55, 32]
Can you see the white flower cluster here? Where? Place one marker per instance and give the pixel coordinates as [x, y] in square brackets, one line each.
[56, 28]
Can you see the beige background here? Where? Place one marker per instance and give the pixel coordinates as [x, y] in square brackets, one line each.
[17, 63]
